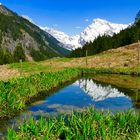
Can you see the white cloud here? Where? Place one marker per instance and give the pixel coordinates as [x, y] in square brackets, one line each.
[78, 27]
[28, 18]
[86, 20]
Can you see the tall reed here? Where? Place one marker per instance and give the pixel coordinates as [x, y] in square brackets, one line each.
[87, 125]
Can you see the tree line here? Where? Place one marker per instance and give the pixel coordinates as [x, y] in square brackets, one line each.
[7, 57]
[105, 42]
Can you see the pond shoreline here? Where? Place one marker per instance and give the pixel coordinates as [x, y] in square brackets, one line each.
[39, 84]
[109, 71]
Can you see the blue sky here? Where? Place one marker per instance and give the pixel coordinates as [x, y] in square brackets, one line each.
[72, 16]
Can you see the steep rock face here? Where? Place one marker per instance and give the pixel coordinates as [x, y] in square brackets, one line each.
[98, 27]
[36, 43]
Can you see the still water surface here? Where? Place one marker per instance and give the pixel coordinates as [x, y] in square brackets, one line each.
[113, 92]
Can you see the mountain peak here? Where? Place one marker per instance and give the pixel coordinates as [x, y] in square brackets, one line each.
[98, 27]
[4, 10]
[99, 20]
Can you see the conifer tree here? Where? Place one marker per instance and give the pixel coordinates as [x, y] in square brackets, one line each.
[19, 53]
[137, 16]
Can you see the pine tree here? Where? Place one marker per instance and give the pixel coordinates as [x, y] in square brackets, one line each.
[19, 53]
[1, 56]
[137, 16]
[7, 57]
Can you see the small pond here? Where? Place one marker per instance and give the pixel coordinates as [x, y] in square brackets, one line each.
[113, 92]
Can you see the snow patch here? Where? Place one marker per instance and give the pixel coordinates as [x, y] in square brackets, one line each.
[28, 18]
[68, 42]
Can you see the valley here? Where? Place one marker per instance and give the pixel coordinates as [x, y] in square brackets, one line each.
[59, 86]
[121, 59]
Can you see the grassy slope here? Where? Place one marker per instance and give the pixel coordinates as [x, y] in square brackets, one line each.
[121, 59]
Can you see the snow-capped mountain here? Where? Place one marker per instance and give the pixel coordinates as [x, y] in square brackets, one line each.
[98, 27]
[97, 91]
[68, 42]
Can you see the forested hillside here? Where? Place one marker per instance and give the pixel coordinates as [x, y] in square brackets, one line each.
[21, 39]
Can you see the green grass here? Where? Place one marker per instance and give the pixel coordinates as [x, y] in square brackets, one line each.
[36, 67]
[15, 93]
[61, 63]
[123, 71]
[87, 125]
[30, 67]
[64, 59]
